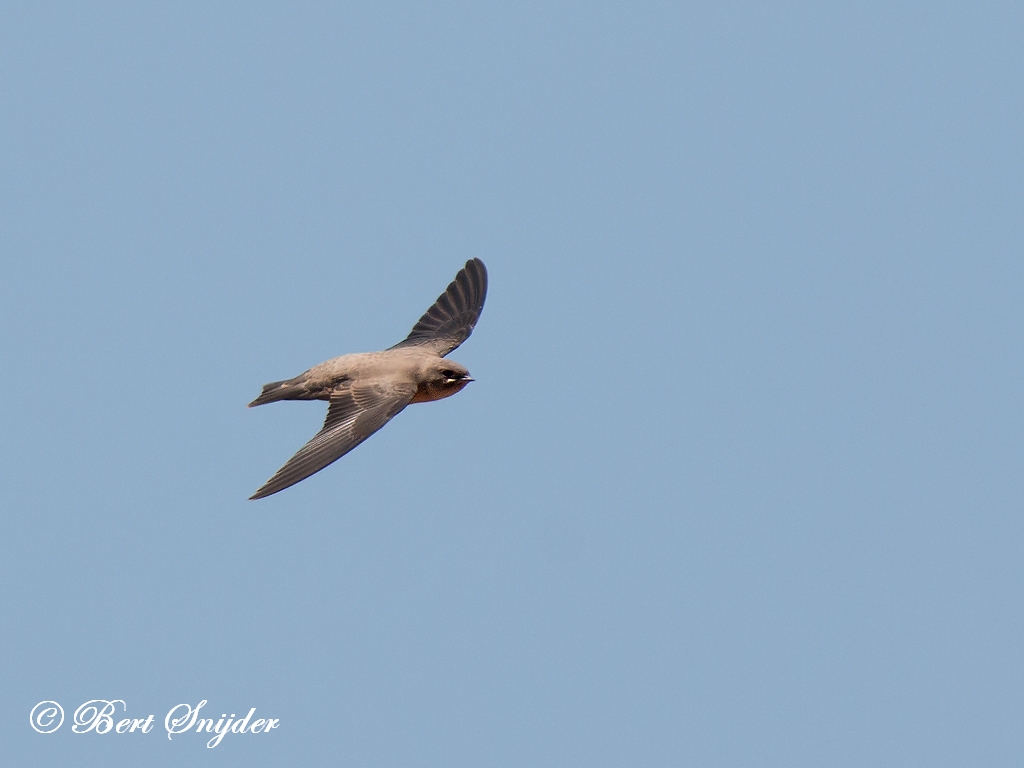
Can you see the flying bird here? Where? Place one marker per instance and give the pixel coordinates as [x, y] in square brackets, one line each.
[367, 389]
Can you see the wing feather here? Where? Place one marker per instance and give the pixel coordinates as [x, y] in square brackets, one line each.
[354, 414]
[451, 319]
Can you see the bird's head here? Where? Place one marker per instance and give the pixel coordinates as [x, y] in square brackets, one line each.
[443, 379]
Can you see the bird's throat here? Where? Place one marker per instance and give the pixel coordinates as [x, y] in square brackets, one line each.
[427, 391]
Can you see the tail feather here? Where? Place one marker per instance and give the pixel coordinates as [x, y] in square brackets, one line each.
[289, 389]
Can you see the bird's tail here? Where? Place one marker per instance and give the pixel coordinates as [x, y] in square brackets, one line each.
[289, 389]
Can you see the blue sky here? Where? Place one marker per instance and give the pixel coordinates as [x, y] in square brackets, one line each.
[738, 481]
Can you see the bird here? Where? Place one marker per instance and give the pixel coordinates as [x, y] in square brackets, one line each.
[365, 390]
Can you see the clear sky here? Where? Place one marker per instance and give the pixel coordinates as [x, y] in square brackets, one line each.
[739, 481]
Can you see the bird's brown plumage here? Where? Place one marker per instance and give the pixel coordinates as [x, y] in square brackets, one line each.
[366, 390]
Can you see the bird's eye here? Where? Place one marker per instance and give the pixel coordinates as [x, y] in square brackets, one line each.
[449, 374]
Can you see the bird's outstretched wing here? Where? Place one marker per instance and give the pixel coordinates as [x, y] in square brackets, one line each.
[450, 321]
[355, 413]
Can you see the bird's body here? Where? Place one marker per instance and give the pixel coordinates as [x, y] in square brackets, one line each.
[366, 389]
[405, 365]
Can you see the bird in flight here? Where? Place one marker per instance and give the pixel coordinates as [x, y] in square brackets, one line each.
[367, 389]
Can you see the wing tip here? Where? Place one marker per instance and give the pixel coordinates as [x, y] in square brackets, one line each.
[477, 265]
[276, 484]
[272, 486]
